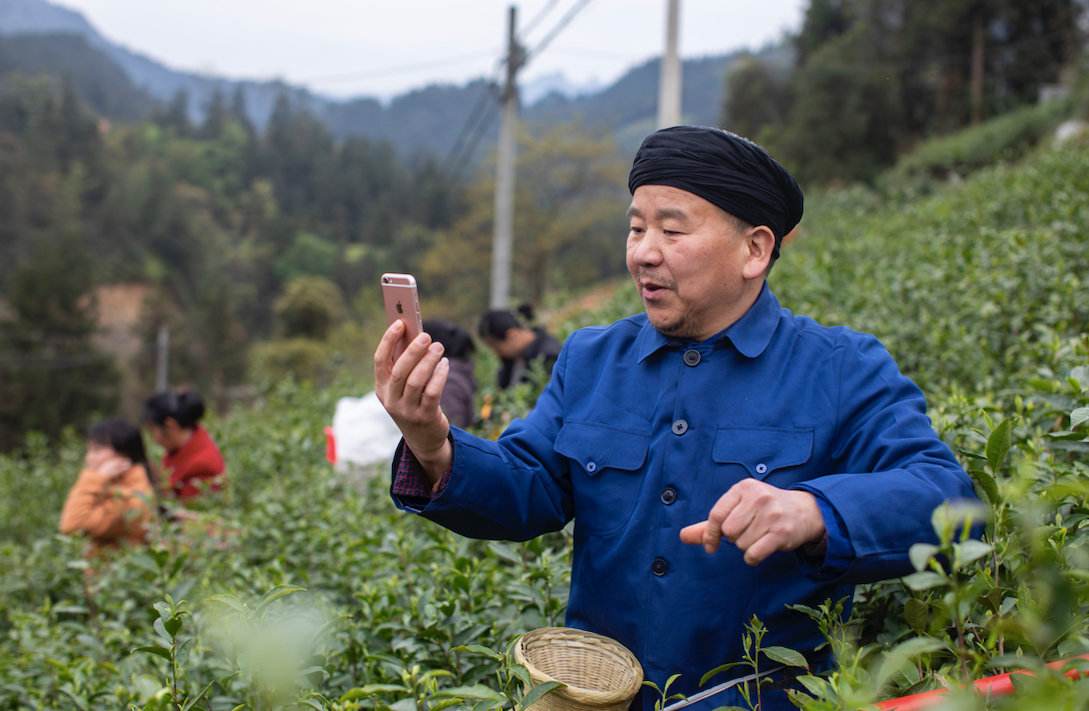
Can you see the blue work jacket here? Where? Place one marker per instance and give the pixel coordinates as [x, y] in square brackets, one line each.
[637, 435]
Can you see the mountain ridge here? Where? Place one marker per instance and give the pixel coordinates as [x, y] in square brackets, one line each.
[427, 119]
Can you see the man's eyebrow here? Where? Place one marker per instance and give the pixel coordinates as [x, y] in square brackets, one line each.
[665, 213]
[671, 213]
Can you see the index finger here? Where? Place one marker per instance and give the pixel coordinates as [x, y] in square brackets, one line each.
[693, 534]
[712, 532]
[383, 355]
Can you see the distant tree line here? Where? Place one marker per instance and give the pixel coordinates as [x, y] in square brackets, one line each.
[274, 238]
[873, 77]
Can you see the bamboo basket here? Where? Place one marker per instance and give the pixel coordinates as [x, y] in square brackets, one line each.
[600, 673]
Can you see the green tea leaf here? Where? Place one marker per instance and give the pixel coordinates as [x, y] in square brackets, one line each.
[361, 692]
[717, 670]
[540, 690]
[481, 650]
[154, 649]
[787, 656]
[998, 444]
[917, 614]
[987, 484]
[476, 692]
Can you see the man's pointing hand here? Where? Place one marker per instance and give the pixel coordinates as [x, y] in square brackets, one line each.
[760, 519]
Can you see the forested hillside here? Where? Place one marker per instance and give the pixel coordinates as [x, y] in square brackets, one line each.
[220, 220]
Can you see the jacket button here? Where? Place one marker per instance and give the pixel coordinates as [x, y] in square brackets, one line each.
[691, 358]
[659, 567]
[591, 467]
[680, 427]
[669, 495]
[761, 468]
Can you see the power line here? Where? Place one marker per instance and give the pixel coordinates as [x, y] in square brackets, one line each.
[549, 6]
[477, 123]
[399, 69]
[480, 119]
[557, 29]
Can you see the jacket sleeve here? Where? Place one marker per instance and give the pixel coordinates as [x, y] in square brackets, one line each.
[893, 470]
[93, 508]
[513, 489]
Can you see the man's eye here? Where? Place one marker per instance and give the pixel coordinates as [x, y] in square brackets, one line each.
[636, 229]
[672, 233]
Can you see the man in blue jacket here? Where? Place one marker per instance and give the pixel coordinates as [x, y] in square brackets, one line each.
[715, 414]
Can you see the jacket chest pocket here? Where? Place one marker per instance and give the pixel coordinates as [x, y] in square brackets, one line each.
[764, 451]
[606, 464]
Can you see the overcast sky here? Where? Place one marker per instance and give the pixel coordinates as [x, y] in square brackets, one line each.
[383, 47]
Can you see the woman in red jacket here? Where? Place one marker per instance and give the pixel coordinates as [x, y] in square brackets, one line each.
[192, 458]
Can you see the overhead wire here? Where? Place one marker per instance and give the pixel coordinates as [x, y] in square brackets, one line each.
[400, 69]
[564, 21]
[479, 120]
[536, 20]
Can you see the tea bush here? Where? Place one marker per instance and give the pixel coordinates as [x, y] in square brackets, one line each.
[1004, 138]
[296, 588]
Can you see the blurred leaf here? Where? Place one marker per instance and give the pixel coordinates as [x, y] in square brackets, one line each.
[902, 654]
[920, 554]
[970, 551]
[924, 580]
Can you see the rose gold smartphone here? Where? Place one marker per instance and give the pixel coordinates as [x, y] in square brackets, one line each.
[402, 301]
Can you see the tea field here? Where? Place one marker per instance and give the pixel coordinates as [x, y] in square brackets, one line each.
[296, 588]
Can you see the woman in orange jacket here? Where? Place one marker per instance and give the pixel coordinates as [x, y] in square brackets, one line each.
[113, 499]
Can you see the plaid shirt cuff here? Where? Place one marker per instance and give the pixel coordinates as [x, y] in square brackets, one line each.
[411, 482]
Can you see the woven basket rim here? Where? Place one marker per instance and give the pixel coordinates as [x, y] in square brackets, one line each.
[591, 697]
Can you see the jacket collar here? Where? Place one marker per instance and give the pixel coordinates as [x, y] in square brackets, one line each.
[750, 334]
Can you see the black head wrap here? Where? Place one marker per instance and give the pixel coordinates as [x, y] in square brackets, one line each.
[725, 170]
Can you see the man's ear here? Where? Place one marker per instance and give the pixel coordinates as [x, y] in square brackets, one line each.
[761, 243]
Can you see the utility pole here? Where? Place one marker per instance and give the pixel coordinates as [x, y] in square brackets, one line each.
[504, 170]
[669, 85]
[976, 86]
[162, 359]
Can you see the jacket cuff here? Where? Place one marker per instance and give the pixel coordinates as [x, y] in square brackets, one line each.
[410, 488]
[830, 557]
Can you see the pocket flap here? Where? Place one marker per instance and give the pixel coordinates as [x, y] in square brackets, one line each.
[762, 450]
[597, 447]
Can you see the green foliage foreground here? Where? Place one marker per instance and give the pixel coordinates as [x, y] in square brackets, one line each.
[300, 589]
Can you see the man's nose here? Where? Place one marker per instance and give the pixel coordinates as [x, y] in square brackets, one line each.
[649, 249]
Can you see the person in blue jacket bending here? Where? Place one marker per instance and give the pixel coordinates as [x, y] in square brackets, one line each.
[715, 414]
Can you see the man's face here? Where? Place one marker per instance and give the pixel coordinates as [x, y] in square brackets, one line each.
[694, 268]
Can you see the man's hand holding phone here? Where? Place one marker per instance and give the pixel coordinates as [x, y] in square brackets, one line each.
[410, 387]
